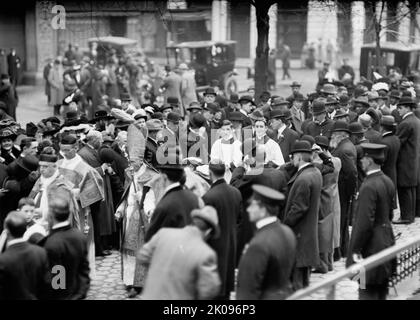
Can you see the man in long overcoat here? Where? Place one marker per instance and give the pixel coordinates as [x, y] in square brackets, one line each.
[301, 213]
[408, 131]
[372, 230]
[344, 149]
[227, 201]
[389, 167]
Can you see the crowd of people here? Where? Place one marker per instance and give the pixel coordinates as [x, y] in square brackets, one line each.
[190, 188]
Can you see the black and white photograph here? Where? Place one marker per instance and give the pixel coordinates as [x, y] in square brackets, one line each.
[219, 150]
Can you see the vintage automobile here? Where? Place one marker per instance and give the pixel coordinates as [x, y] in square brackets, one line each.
[211, 60]
[393, 55]
[105, 46]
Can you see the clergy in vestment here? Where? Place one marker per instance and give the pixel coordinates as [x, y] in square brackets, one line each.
[88, 188]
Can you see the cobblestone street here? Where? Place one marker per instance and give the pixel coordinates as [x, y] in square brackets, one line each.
[108, 285]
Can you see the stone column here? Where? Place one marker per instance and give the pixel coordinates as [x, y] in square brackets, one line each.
[358, 27]
[133, 31]
[31, 47]
[253, 33]
[215, 20]
[272, 33]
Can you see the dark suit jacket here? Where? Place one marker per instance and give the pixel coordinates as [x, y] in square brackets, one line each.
[408, 131]
[24, 273]
[67, 247]
[372, 135]
[227, 200]
[269, 177]
[314, 129]
[389, 167]
[347, 179]
[173, 210]
[301, 214]
[372, 229]
[285, 141]
[266, 266]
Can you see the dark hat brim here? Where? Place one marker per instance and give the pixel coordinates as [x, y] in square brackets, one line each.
[301, 150]
[247, 100]
[341, 129]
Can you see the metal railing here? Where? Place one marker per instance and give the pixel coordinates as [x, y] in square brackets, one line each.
[408, 260]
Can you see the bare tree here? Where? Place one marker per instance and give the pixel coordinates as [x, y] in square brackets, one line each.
[382, 22]
[261, 51]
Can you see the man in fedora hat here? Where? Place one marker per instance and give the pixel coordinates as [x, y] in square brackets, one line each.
[101, 120]
[181, 265]
[393, 144]
[360, 104]
[298, 116]
[126, 103]
[233, 104]
[320, 124]
[408, 171]
[370, 134]
[282, 134]
[295, 86]
[332, 105]
[357, 137]
[345, 106]
[375, 206]
[175, 104]
[227, 200]
[266, 265]
[153, 127]
[247, 106]
[343, 148]
[278, 103]
[174, 207]
[301, 213]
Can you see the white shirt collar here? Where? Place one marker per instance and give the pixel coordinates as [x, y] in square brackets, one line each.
[385, 133]
[170, 131]
[243, 112]
[281, 130]
[15, 241]
[265, 221]
[171, 186]
[407, 114]
[61, 224]
[372, 171]
[304, 165]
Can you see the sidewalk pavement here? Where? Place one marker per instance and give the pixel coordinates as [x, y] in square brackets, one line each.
[108, 285]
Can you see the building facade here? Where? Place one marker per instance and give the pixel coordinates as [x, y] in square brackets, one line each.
[343, 26]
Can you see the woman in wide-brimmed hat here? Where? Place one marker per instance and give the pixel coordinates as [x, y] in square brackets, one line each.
[9, 152]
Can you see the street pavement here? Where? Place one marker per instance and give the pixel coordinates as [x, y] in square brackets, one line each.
[108, 285]
[33, 102]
